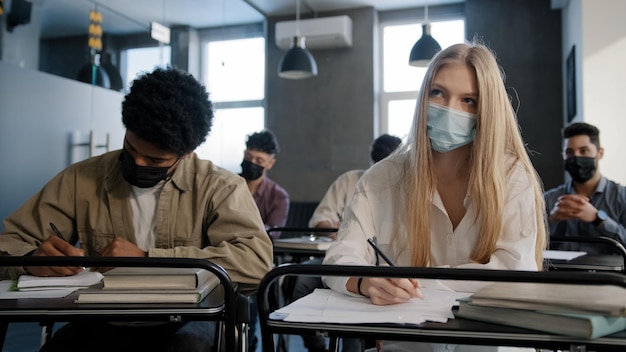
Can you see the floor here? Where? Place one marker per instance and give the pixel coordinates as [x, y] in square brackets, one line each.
[25, 337]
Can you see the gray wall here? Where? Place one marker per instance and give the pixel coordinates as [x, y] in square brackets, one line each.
[325, 124]
[39, 114]
[526, 36]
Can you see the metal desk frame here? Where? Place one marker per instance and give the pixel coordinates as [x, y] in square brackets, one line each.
[458, 331]
[224, 304]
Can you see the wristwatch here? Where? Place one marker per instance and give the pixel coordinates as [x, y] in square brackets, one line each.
[600, 218]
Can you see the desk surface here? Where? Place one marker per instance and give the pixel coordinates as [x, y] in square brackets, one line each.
[455, 331]
[66, 309]
[589, 262]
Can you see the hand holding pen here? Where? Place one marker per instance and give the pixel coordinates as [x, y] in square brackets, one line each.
[56, 245]
[386, 291]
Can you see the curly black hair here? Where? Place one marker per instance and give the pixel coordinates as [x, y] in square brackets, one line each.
[264, 141]
[169, 109]
[383, 146]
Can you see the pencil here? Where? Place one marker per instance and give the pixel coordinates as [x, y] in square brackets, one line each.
[379, 252]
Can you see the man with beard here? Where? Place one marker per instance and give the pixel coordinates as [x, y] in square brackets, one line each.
[590, 205]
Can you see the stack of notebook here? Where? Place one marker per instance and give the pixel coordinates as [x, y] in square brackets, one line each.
[583, 311]
[152, 285]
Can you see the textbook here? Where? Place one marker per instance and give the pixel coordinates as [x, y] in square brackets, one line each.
[304, 242]
[94, 295]
[155, 278]
[588, 326]
[599, 299]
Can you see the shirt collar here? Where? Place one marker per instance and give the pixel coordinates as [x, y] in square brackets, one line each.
[599, 188]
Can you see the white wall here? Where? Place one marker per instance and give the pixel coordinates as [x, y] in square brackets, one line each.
[598, 29]
[39, 114]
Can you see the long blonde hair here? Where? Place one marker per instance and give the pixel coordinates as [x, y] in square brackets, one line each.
[497, 140]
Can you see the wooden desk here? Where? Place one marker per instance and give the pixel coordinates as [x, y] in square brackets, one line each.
[457, 331]
[220, 305]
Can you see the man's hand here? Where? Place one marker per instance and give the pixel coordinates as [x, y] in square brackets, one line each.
[55, 246]
[383, 291]
[573, 206]
[120, 247]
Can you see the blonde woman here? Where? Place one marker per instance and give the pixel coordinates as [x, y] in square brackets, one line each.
[462, 192]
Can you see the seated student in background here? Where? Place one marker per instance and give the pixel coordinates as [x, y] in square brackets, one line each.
[152, 198]
[590, 204]
[271, 199]
[328, 215]
[328, 212]
[462, 192]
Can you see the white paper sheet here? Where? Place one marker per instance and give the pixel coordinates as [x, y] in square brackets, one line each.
[6, 293]
[562, 255]
[327, 306]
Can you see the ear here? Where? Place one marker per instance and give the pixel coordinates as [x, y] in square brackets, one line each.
[270, 164]
[600, 153]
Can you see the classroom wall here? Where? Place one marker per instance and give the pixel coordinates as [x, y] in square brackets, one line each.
[41, 115]
[526, 37]
[603, 76]
[324, 124]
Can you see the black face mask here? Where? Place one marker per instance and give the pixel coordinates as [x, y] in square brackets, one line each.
[141, 176]
[251, 171]
[581, 168]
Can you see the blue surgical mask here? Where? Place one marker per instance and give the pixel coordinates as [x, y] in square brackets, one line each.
[448, 128]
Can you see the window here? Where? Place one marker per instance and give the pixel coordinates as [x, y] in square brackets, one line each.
[236, 84]
[401, 82]
[138, 60]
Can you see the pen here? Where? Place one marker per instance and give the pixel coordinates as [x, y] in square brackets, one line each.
[56, 231]
[379, 252]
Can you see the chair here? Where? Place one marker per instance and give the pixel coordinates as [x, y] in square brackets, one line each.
[457, 331]
[300, 213]
[232, 319]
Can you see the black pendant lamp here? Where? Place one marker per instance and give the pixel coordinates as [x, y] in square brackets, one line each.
[426, 47]
[297, 63]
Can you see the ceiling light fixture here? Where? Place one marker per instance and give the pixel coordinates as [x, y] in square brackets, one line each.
[426, 47]
[297, 63]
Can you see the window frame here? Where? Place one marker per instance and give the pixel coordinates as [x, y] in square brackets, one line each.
[398, 18]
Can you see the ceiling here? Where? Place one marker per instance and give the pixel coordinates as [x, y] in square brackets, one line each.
[69, 17]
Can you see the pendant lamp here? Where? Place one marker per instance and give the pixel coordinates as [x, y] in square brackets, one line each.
[426, 47]
[297, 63]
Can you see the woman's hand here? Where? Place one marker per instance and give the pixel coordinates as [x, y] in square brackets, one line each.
[386, 291]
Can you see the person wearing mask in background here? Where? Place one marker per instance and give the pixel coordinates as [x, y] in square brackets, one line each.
[590, 205]
[152, 198]
[271, 199]
[461, 192]
[328, 212]
[328, 215]
[258, 158]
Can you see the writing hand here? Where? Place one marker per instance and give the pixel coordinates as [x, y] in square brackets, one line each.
[54, 246]
[120, 247]
[386, 291]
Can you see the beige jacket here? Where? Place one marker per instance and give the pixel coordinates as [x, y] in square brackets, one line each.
[203, 212]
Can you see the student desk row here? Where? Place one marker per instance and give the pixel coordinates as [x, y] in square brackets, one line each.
[457, 331]
[224, 305]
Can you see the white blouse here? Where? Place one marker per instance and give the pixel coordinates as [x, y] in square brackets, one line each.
[371, 214]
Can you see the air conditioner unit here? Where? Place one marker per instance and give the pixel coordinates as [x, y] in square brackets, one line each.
[323, 32]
